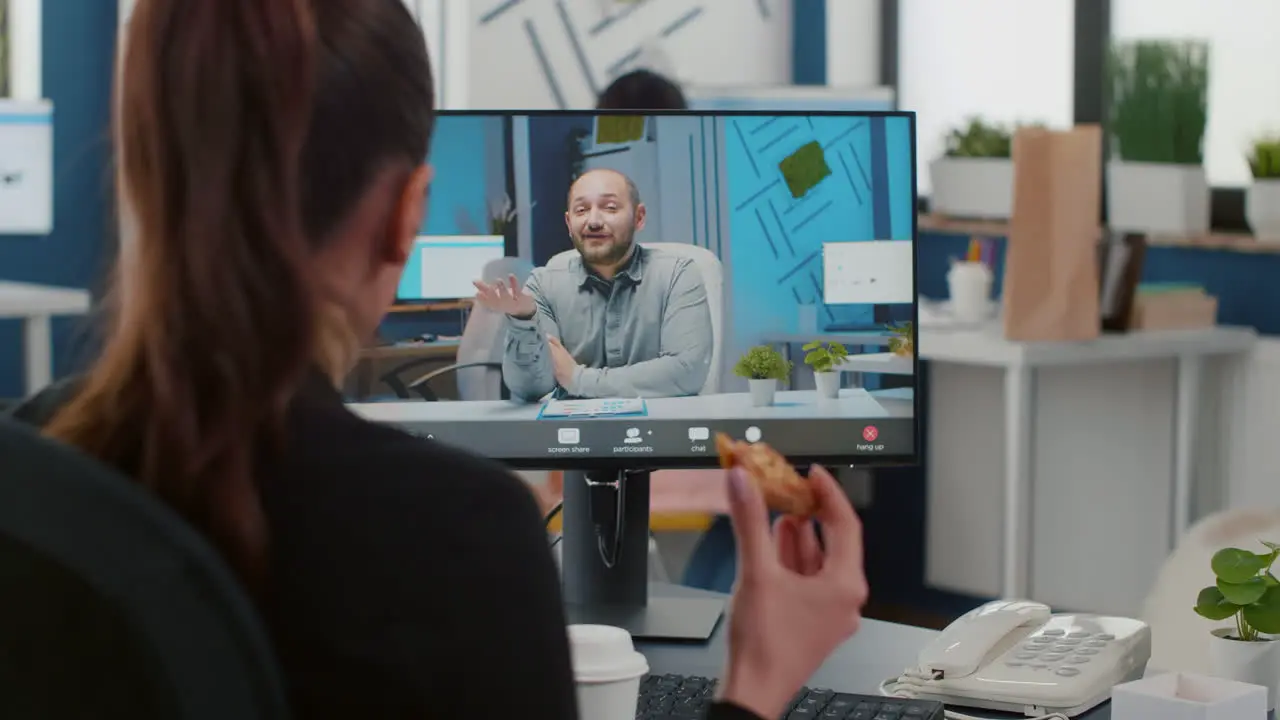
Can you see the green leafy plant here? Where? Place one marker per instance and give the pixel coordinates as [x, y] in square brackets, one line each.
[1159, 100]
[903, 340]
[980, 139]
[824, 356]
[1246, 589]
[762, 362]
[1264, 158]
[803, 169]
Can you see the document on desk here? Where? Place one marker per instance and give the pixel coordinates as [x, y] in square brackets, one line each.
[601, 407]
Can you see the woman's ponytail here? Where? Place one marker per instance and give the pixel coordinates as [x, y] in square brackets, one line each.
[217, 317]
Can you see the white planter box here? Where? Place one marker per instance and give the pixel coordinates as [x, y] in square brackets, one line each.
[828, 384]
[1183, 696]
[972, 187]
[1262, 209]
[763, 392]
[1158, 199]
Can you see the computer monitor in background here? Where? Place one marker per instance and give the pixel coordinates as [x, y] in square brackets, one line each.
[790, 98]
[442, 267]
[763, 233]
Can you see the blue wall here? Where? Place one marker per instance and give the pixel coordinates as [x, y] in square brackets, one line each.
[550, 172]
[776, 247]
[78, 43]
[467, 153]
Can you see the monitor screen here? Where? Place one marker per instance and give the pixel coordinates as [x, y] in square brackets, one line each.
[442, 267]
[678, 275]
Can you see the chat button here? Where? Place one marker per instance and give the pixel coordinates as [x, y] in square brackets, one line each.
[699, 434]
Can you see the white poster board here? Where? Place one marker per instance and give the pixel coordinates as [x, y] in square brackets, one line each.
[872, 272]
[26, 167]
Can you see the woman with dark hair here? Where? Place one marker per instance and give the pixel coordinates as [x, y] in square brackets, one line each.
[642, 90]
[272, 175]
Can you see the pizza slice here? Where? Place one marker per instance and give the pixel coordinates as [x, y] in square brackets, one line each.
[783, 488]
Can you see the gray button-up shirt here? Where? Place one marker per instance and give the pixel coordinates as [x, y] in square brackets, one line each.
[645, 334]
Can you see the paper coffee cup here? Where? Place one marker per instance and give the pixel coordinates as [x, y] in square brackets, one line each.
[607, 670]
[970, 286]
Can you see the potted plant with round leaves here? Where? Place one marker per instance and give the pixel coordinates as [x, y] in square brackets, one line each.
[825, 359]
[1247, 593]
[1262, 198]
[763, 367]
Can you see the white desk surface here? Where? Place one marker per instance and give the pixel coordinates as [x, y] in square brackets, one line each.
[22, 300]
[880, 650]
[853, 403]
[884, 363]
[987, 346]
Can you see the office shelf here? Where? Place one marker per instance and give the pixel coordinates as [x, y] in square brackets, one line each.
[1230, 242]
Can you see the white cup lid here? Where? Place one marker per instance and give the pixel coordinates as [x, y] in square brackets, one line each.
[603, 653]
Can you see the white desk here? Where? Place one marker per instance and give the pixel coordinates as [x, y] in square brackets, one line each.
[796, 404]
[879, 651]
[37, 305]
[1019, 363]
[886, 363]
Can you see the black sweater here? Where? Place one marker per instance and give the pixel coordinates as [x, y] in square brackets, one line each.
[409, 579]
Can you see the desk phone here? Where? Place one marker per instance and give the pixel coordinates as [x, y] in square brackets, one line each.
[1016, 656]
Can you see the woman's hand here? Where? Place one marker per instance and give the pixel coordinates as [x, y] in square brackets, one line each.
[796, 599]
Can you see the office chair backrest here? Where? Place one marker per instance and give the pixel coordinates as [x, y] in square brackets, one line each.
[111, 605]
[712, 272]
[485, 334]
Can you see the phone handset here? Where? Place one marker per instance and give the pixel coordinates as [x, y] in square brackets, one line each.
[962, 646]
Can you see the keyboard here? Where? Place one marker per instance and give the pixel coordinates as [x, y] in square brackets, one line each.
[679, 697]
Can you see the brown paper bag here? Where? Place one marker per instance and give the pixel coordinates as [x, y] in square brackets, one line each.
[1051, 265]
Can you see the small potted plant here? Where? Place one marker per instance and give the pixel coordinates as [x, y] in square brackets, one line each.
[902, 342]
[1156, 182]
[1262, 199]
[825, 359]
[1248, 593]
[763, 367]
[974, 177]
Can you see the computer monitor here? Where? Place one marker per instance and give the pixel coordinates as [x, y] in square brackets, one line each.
[677, 257]
[442, 267]
[787, 98]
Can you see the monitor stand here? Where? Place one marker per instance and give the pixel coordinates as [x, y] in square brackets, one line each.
[606, 561]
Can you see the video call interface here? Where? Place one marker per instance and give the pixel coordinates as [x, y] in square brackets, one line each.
[637, 284]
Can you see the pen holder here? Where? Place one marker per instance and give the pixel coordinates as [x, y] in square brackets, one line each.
[969, 284]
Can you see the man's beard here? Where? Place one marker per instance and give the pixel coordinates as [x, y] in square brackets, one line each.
[606, 254]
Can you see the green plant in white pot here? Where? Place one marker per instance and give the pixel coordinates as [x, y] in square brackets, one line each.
[1262, 199]
[974, 176]
[825, 359]
[1247, 593]
[1156, 182]
[763, 367]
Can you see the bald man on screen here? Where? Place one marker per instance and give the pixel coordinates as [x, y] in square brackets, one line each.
[617, 320]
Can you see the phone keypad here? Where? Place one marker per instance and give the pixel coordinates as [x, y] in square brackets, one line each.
[1058, 650]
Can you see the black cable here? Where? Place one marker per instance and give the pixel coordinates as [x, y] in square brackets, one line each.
[609, 549]
[552, 515]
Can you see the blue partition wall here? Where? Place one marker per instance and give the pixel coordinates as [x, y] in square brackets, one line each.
[78, 41]
[776, 254]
